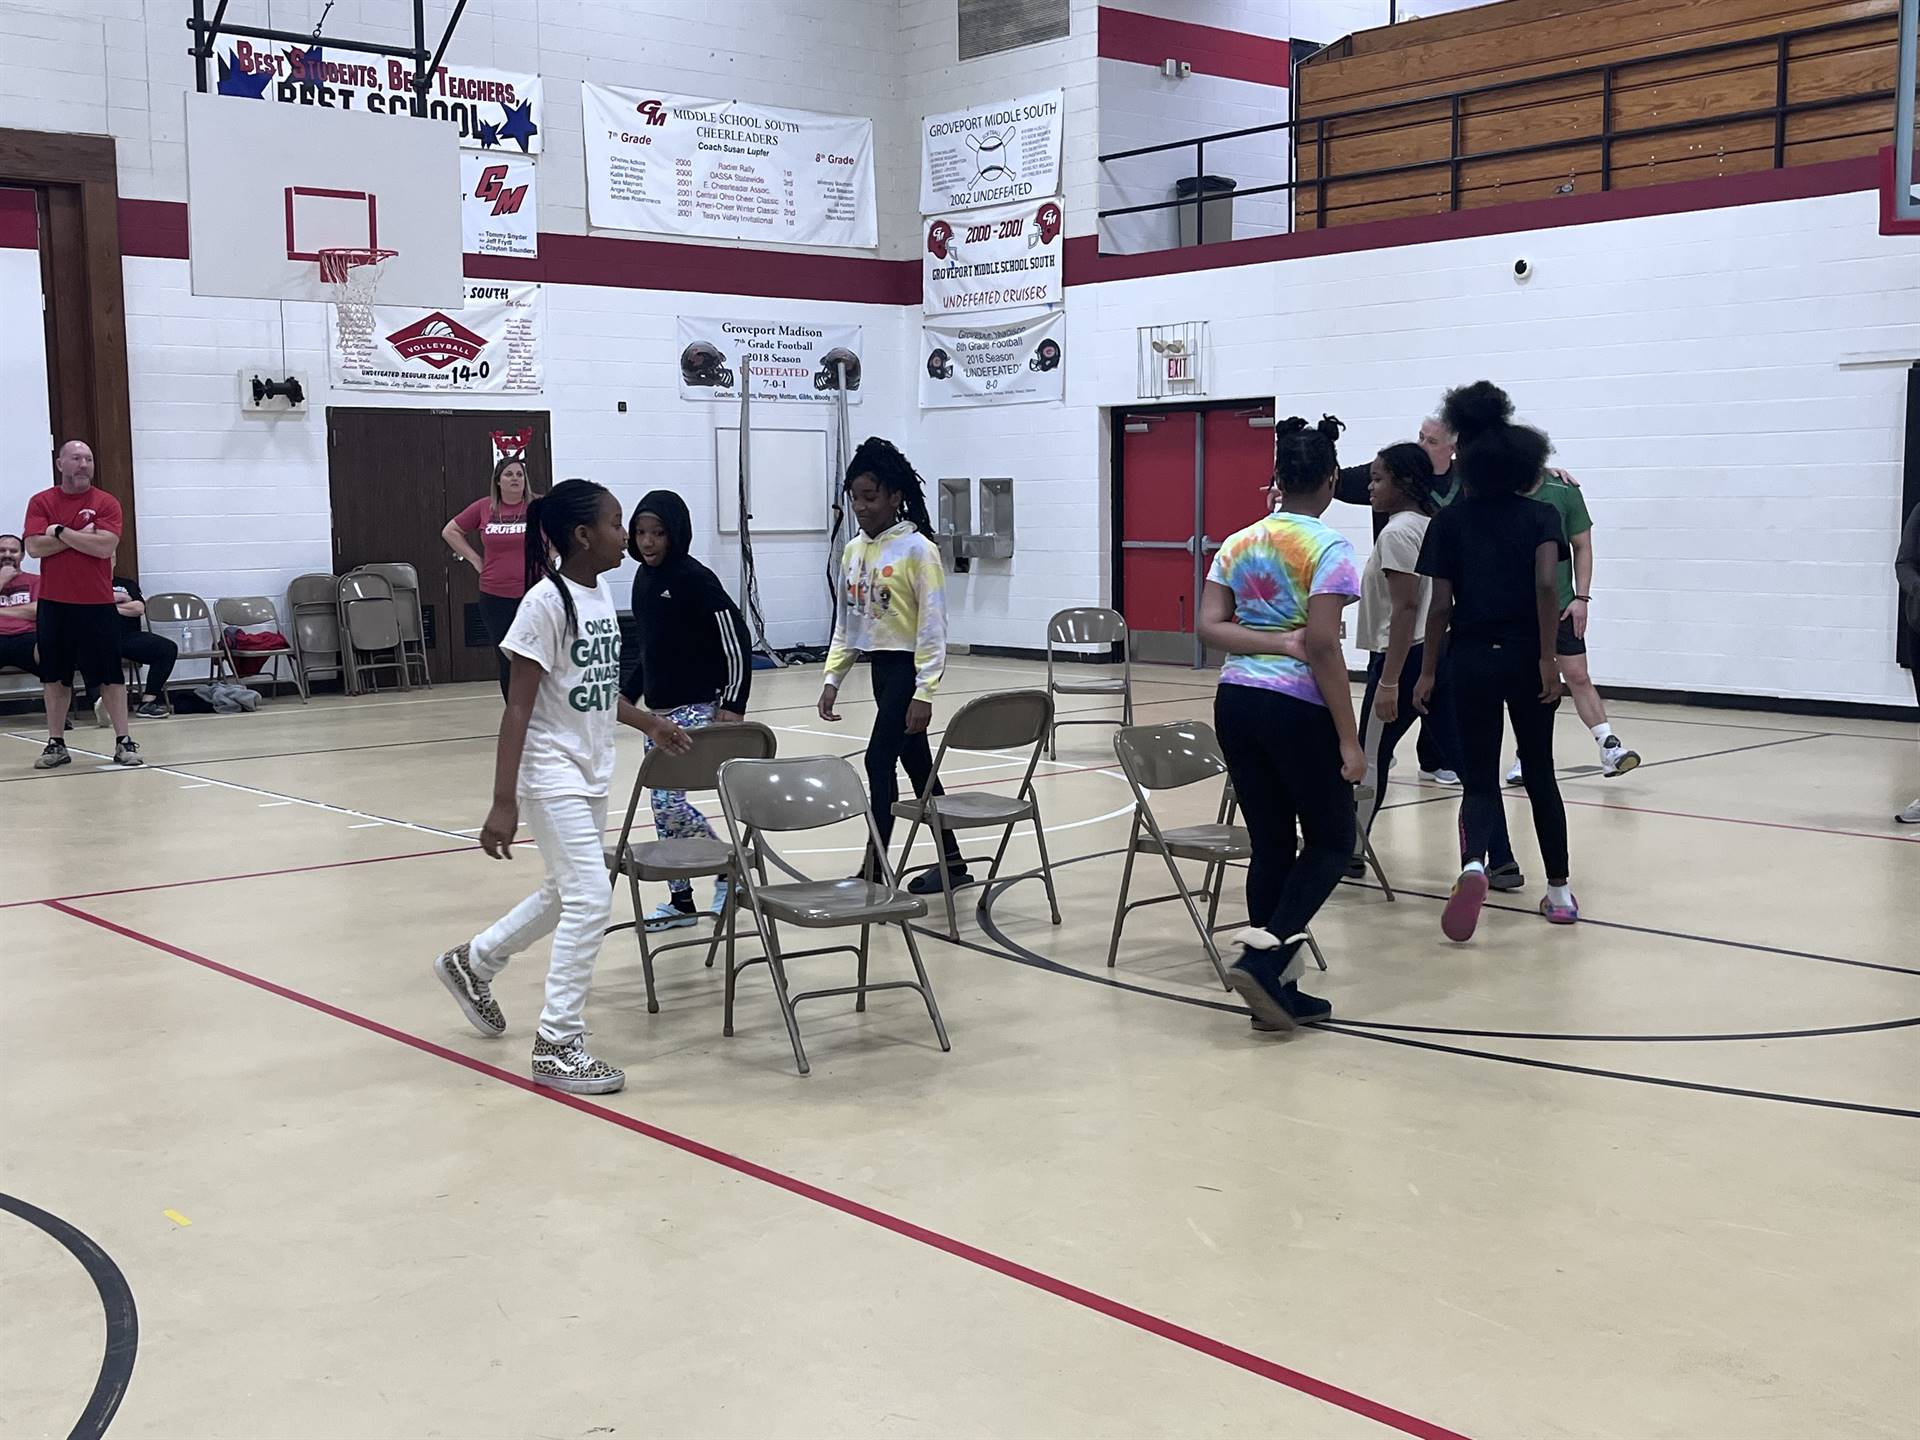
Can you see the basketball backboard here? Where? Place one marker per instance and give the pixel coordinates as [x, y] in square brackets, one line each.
[270, 186]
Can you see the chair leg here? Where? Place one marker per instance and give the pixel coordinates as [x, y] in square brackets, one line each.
[926, 988]
[776, 967]
[940, 834]
[724, 922]
[640, 939]
[1046, 863]
[1126, 883]
[1206, 935]
[906, 850]
[1314, 945]
[1216, 881]
[1379, 870]
[860, 995]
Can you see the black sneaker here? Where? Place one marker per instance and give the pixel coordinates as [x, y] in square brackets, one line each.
[151, 710]
[1506, 877]
[127, 752]
[54, 756]
[1262, 975]
[1357, 868]
[927, 882]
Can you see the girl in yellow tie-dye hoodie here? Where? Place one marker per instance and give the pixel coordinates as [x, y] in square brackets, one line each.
[893, 610]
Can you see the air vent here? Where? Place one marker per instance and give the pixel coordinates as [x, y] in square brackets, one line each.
[989, 26]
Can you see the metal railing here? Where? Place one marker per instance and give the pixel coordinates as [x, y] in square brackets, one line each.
[1606, 137]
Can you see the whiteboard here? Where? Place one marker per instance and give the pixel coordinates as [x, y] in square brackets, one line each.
[789, 480]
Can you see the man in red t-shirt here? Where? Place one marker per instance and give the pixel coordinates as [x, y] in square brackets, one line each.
[18, 592]
[73, 530]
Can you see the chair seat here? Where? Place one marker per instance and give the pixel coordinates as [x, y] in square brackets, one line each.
[1115, 686]
[824, 903]
[681, 859]
[971, 808]
[1202, 842]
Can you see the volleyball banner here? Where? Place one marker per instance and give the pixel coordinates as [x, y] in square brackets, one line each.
[789, 361]
[728, 169]
[992, 154]
[1000, 259]
[1012, 364]
[492, 345]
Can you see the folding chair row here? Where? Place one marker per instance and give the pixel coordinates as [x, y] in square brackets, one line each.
[189, 618]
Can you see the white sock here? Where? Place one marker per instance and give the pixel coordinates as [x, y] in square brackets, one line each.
[1473, 865]
[1561, 895]
[1602, 733]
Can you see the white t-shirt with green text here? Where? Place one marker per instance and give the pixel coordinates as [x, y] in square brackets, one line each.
[569, 747]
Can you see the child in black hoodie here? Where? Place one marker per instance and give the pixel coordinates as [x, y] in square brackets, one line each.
[693, 662]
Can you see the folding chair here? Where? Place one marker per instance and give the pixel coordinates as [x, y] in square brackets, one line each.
[689, 858]
[772, 797]
[405, 581]
[1085, 626]
[239, 612]
[370, 625]
[189, 618]
[1017, 719]
[313, 606]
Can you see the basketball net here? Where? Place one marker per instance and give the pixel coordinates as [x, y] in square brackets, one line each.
[353, 278]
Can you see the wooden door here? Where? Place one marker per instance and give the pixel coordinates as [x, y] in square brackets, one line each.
[396, 476]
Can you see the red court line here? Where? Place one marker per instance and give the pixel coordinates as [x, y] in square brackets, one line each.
[960, 1249]
[248, 875]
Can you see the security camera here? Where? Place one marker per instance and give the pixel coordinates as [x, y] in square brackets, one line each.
[1523, 270]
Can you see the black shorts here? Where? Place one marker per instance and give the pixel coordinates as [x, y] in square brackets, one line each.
[1568, 643]
[80, 638]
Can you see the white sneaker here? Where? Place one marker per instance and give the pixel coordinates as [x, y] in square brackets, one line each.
[1616, 759]
[1910, 815]
[1440, 777]
[566, 1065]
[1514, 777]
[669, 916]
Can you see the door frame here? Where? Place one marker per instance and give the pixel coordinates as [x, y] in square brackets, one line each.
[1116, 490]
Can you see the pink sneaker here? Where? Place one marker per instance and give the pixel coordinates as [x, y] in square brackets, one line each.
[1462, 914]
[1560, 914]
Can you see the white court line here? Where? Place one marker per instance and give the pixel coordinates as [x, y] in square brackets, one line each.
[274, 804]
[367, 825]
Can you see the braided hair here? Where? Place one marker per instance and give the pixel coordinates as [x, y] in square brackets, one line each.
[891, 471]
[1411, 470]
[552, 520]
[1496, 456]
[1305, 456]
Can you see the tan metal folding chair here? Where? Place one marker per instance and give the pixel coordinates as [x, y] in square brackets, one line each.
[405, 581]
[187, 618]
[1015, 720]
[689, 858]
[313, 608]
[762, 798]
[242, 611]
[1088, 626]
[370, 626]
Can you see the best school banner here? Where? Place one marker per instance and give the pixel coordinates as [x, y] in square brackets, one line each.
[789, 361]
[492, 345]
[492, 109]
[729, 169]
[991, 154]
[1011, 364]
[499, 213]
[996, 259]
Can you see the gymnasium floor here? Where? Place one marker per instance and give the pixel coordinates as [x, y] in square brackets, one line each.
[1651, 1176]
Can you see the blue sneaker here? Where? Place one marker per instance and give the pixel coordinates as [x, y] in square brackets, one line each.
[673, 914]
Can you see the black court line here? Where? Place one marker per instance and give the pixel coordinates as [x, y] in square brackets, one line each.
[1905, 1024]
[116, 1301]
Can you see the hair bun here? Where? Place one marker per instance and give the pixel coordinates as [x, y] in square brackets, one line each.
[1331, 426]
[1476, 408]
[1292, 425]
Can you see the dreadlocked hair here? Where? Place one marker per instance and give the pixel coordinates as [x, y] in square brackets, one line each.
[1304, 456]
[1411, 470]
[891, 471]
[1496, 456]
[551, 521]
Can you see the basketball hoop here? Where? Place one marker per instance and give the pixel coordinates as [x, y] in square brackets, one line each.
[353, 277]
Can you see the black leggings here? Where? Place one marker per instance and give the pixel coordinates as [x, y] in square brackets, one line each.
[1377, 740]
[1486, 680]
[1439, 746]
[21, 652]
[1283, 755]
[889, 746]
[157, 653]
[496, 613]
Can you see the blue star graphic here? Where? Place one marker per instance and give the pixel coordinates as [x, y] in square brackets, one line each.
[489, 135]
[519, 126]
[305, 65]
[234, 81]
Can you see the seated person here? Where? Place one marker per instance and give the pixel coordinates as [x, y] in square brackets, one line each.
[19, 609]
[142, 647]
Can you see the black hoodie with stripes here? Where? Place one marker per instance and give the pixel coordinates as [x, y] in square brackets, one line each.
[692, 645]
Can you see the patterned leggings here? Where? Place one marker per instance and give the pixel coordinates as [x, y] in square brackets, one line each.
[674, 818]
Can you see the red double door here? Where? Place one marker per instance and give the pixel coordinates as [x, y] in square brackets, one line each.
[1188, 479]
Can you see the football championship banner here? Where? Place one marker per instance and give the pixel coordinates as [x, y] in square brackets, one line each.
[499, 212]
[1011, 364]
[492, 345]
[995, 259]
[727, 169]
[992, 154]
[492, 109]
[788, 361]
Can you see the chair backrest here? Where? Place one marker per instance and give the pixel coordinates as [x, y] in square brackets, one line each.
[400, 576]
[184, 619]
[316, 633]
[177, 608]
[804, 793]
[1007, 721]
[1165, 757]
[364, 585]
[374, 624]
[1086, 626]
[245, 610]
[312, 590]
[713, 746]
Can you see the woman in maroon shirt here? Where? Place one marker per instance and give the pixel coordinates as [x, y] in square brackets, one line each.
[500, 524]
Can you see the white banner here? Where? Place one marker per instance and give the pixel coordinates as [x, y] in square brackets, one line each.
[491, 108]
[992, 154]
[675, 165]
[999, 259]
[493, 344]
[790, 361]
[1009, 364]
[499, 210]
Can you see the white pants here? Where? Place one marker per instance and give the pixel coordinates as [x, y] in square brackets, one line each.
[574, 906]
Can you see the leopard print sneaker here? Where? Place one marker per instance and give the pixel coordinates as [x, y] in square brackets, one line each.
[566, 1065]
[473, 995]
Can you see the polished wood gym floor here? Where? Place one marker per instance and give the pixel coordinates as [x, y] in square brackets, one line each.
[1654, 1175]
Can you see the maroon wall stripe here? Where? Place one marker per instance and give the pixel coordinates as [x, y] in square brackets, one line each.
[19, 220]
[1232, 54]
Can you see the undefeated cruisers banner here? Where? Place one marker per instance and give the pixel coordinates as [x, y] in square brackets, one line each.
[1002, 259]
[731, 169]
[491, 345]
[991, 154]
[1008, 364]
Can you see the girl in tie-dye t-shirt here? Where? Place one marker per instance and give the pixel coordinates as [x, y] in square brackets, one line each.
[1273, 567]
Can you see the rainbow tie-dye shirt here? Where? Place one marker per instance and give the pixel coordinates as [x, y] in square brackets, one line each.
[1273, 567]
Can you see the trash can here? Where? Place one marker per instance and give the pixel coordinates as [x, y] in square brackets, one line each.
[1217, 223]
